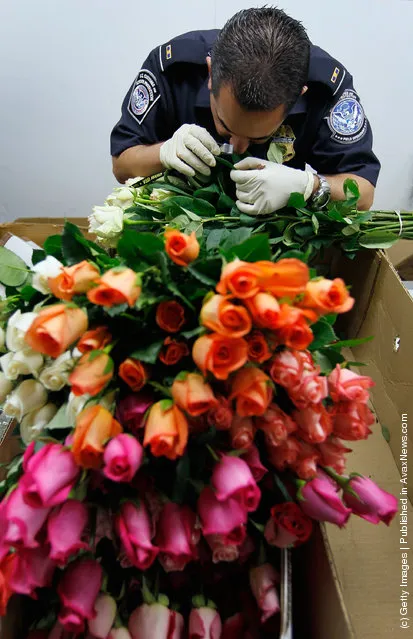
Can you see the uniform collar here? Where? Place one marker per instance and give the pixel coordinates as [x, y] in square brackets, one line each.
[203, 96]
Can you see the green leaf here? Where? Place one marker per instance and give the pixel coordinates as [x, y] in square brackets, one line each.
[315, 223]
[166, 404]
[327, 359]
[75, 247]
[236, 237]
[253, 249]
[169, 282]
[53, 246]
[138, 248]
[210, 193]
[323, 335]
[288, 235]
[28, 293]
[118, 309]
[351, 342]
[199, 330]
[378, 239]
[275, 154]
[331, 318]
[385, 432]
[351, 189]
[297, 201]
[215, 238]
[195, 205]
[148, 354]
[60, 420]
[13, 271]
[225, 202]
[224, 162]
[182, 475]
[38, 255]
[202, 277]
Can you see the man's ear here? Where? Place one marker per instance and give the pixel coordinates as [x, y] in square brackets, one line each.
[304, 89]
[208, 61]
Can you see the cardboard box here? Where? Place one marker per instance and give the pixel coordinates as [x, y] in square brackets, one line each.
[347, 582]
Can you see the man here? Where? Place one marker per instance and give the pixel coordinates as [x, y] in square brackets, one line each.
[262, 86]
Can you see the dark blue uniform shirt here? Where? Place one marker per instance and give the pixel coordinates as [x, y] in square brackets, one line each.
[326, 128]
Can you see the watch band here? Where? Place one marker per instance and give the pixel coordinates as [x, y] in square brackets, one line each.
[321, 197]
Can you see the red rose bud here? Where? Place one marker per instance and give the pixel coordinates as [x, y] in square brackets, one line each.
[122, 457]
[134, 529]
[226, 518]
[65, 527]
[351, 420]
[177, 537]
[321, 502]
[347, 386]
[314, 423]
[232, 478]
[204, 623]
[131, 409]
[155, 621]
[372, 503]
[78, 590]
[221, 415]
[288, 526]
[105, 609]
[262, 582]
[32, 569]
[252, 458]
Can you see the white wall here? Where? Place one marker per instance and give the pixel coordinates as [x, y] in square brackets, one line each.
[65, 66]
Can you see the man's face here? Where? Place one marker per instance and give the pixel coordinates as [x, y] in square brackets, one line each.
[242, 128]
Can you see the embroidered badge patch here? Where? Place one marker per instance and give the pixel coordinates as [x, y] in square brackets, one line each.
[347, 120]
[144, 95]
[281, 148]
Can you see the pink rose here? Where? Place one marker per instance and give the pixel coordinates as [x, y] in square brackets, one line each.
[321, 502]
[232, 478]
[314, 423]
[276, 425]
[122, 457]
[347, 386]
[22, 521]
[119, 633]
[134, 529]
[306, 464]
[222, 551]
[78, 590]
[105, 609]
[50, 475]
[351, 420]
[32, 569]
[131, 410]
[65, 527]
[262, 581]
[333, 454]
[177, 537]
[155, 622]
[372, 503]
[204, 623]
[252, 458]
[285, 454]
[242, 432]
[226, 518]
[313, 389]
[288, 366]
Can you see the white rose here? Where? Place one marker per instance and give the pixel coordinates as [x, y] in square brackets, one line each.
[6, 386]
[34, 422]
[2, 338]
[160, 194]
[26, 362]
[50, 267]
[75, 406]
[28, 396]
[17, 326]
[122, 197]
[106, 222]
[55, 376]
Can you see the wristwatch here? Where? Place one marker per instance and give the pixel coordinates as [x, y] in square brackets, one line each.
[321, 197]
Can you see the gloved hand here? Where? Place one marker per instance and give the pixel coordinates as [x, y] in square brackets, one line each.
[190, 149]
[264, 187]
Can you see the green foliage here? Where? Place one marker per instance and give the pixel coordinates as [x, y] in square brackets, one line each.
[13, 271]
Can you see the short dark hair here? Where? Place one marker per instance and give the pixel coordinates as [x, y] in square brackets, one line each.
[263, 54]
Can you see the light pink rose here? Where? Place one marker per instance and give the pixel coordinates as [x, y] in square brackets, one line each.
[252, 457]
[65, 527]
[122, 458]
[288, 366]
[177, 537]
[119, 633]
[226, 518]
[276, 425]
[284, 455]
[232, 477]
[351, 420]
[333, 454]
[204, 623]
[50, 475]
[306, 464]
[155, 622]
[347, 386]
[314, 423]
[78, 590]
[372, 503]
[262, 581]
[321, 502]
[242, 432]
[222, 551]
[313, 389]
[134, 529]
[105, 609]
[32, 569]
[22, 522]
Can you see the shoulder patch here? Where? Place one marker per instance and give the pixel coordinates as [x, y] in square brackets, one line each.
[347, 120]
[182, 50]
[326, 70]
[145, 94]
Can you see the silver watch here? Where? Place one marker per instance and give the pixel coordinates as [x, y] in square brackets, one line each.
[321, 197]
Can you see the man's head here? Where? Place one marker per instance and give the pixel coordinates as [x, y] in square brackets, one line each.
[258, 69]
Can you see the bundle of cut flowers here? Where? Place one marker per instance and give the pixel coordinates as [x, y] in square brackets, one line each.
[184, 411]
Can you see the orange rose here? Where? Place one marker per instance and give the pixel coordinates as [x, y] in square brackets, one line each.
[327, 296]
[264, 309]
[133, 373]
[193, 394]
[173, 351]
[220, 355]
[294, 330]
[242, 432]
[91, 374]
[94, 426]
[94, 340]
[170, 316]
[286, 278]
[166, 430]
[7, 568]
[73, 280]
[222, 316]
[252, 390]
[239, 278]
[182, 249]
[117, 286]
[258, 350]
[55, 329]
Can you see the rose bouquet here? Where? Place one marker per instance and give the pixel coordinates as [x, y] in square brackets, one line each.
[184, 408]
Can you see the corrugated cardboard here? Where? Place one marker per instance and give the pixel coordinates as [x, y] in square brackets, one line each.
[348, 580]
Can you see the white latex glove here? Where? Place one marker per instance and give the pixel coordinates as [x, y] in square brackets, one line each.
[190, 149]
[264, 187]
